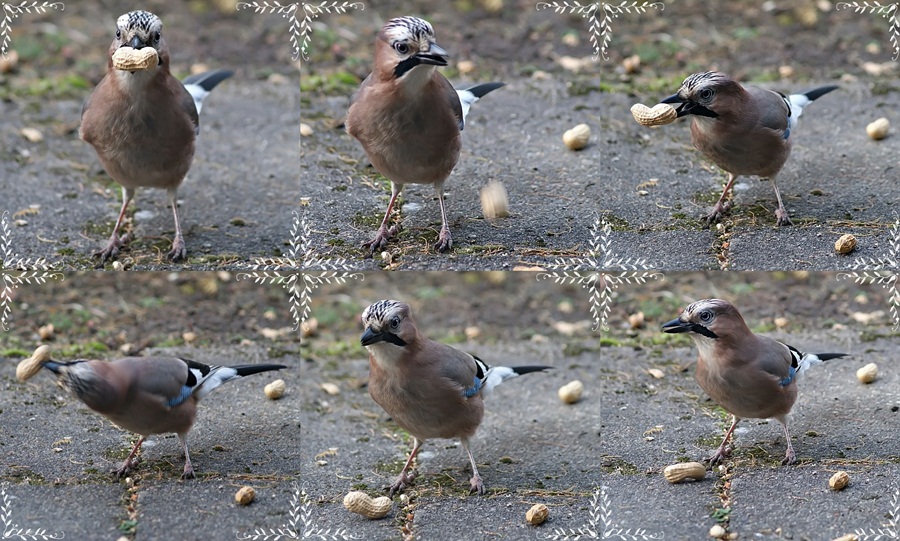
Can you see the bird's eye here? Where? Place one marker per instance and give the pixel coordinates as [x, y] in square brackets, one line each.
[118, 34]
[706, 316]
[157, 36]
[401, 47]
[706, 94]
[395, 322]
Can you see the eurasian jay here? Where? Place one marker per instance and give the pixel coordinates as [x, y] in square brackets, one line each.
[745, 130]
[750, 376]
[408, 117]
[148, 395]
[430, 389]
[143, 123]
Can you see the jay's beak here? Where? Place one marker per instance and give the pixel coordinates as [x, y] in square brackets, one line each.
[371, 337]
[677, 326]
[435, 56]
[688, 107]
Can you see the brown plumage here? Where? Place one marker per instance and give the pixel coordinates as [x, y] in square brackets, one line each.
[430, 389]
[408, 117]
[745, 130]
[148, 395]
[142, 124]
[750, 376]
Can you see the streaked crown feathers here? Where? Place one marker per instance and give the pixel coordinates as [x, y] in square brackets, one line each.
[380, 312]
[142, 21]
[404, 28]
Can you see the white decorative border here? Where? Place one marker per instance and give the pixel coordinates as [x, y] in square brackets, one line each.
[12, 531]
[301, 513]
[893, 526]
[283, 270]
[601, 524]
[633, 270]
[888, 11]
[300, 30]
[11, 12]
[16, 271]
[601, 31]
[883, 270]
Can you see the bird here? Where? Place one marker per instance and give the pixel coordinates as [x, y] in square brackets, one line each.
[748, 375]
[430, 389]
[408, 117]
[148, 395]
[143, 123]
[745, 130]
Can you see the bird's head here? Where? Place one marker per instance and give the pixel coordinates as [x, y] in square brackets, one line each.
[388, 326]
[706, 321]
[704, 94]
[139, 29]
[407, 43]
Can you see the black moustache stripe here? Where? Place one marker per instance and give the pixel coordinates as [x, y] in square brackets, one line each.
[393, 339]
[405, 66]
[700, 329]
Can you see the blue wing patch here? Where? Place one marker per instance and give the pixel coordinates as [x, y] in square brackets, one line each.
[186, 393]
[473, 390]
[789, 379]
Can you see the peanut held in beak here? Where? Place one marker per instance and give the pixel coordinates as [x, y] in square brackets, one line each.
[32, 365]
[128, 59]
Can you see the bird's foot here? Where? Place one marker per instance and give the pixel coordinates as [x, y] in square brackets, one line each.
[127, 466]
[402, 482]
[717, 212]
[112, 248]
[382, 236]
[188, 473]
[445, 241]
[789, 458]
[179, 251]
[782, 217]
[721, 454]
[476, 485]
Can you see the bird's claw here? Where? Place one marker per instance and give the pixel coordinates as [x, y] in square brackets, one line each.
[112, 248]
[721, 454]
[717, 212]
[782, 217]
[476, 485]
[789, 458]
[445, 241]
[402, 482]
[127, 467]
[188, 474]
[179, 251]
[382, 236]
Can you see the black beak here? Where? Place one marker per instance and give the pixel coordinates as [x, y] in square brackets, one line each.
[688, 107]
[677, 326]
[435, 56]
[371, 337]
[136, 43]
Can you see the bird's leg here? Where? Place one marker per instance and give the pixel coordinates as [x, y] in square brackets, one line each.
[781, 214]
[188, 468]
[723, 450]
[179, 252]
[112, 247]
[789, 456]
[384, 232]
[445, 242]
[130, 462]
[475, 482]
[721, 206]
[404, 479]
